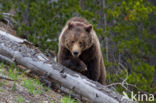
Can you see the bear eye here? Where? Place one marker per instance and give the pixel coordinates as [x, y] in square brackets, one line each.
[81, 43]
[72, 42]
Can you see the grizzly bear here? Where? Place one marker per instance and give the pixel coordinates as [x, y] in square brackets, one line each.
[79, 49]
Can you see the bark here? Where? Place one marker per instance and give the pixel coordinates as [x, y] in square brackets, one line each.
[82, 4]
[103, 24]
[21, 52]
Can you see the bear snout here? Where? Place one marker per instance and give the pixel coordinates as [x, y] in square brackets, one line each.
[75, 53]
[76, 50]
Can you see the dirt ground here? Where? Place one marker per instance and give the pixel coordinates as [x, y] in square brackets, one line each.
[15, 92]
[22, 95]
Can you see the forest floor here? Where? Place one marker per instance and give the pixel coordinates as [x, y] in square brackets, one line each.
[17, 87]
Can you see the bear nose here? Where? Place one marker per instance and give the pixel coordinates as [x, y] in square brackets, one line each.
[75, 52]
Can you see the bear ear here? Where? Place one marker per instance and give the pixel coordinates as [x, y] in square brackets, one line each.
[88, 28]
[70, 26]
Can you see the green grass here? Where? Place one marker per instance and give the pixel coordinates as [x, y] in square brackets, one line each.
[13, 73]
[1, 65]
[68, 99]
[34, 86]
[20, 99]
[14, 87]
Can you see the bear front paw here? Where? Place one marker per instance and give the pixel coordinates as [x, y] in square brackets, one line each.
[83, 67]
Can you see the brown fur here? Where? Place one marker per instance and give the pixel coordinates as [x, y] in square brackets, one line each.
[78, 36]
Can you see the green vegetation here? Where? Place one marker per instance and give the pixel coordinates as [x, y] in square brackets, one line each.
[68, 99]
[34, 86]
[20, 99]
[129, 28]
[14, 87]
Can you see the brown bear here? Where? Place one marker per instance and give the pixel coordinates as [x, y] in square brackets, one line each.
[79, 49]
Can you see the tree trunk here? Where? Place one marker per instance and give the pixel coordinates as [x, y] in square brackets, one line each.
[82, 4]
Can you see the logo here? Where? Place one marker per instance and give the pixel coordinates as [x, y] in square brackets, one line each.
[138, 97]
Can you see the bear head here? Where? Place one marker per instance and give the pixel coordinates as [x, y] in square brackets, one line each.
[78, 38]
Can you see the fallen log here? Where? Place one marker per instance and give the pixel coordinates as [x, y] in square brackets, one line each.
[21, 52]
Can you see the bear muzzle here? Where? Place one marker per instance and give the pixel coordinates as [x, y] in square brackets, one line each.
[76, 50]
[75, 53]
